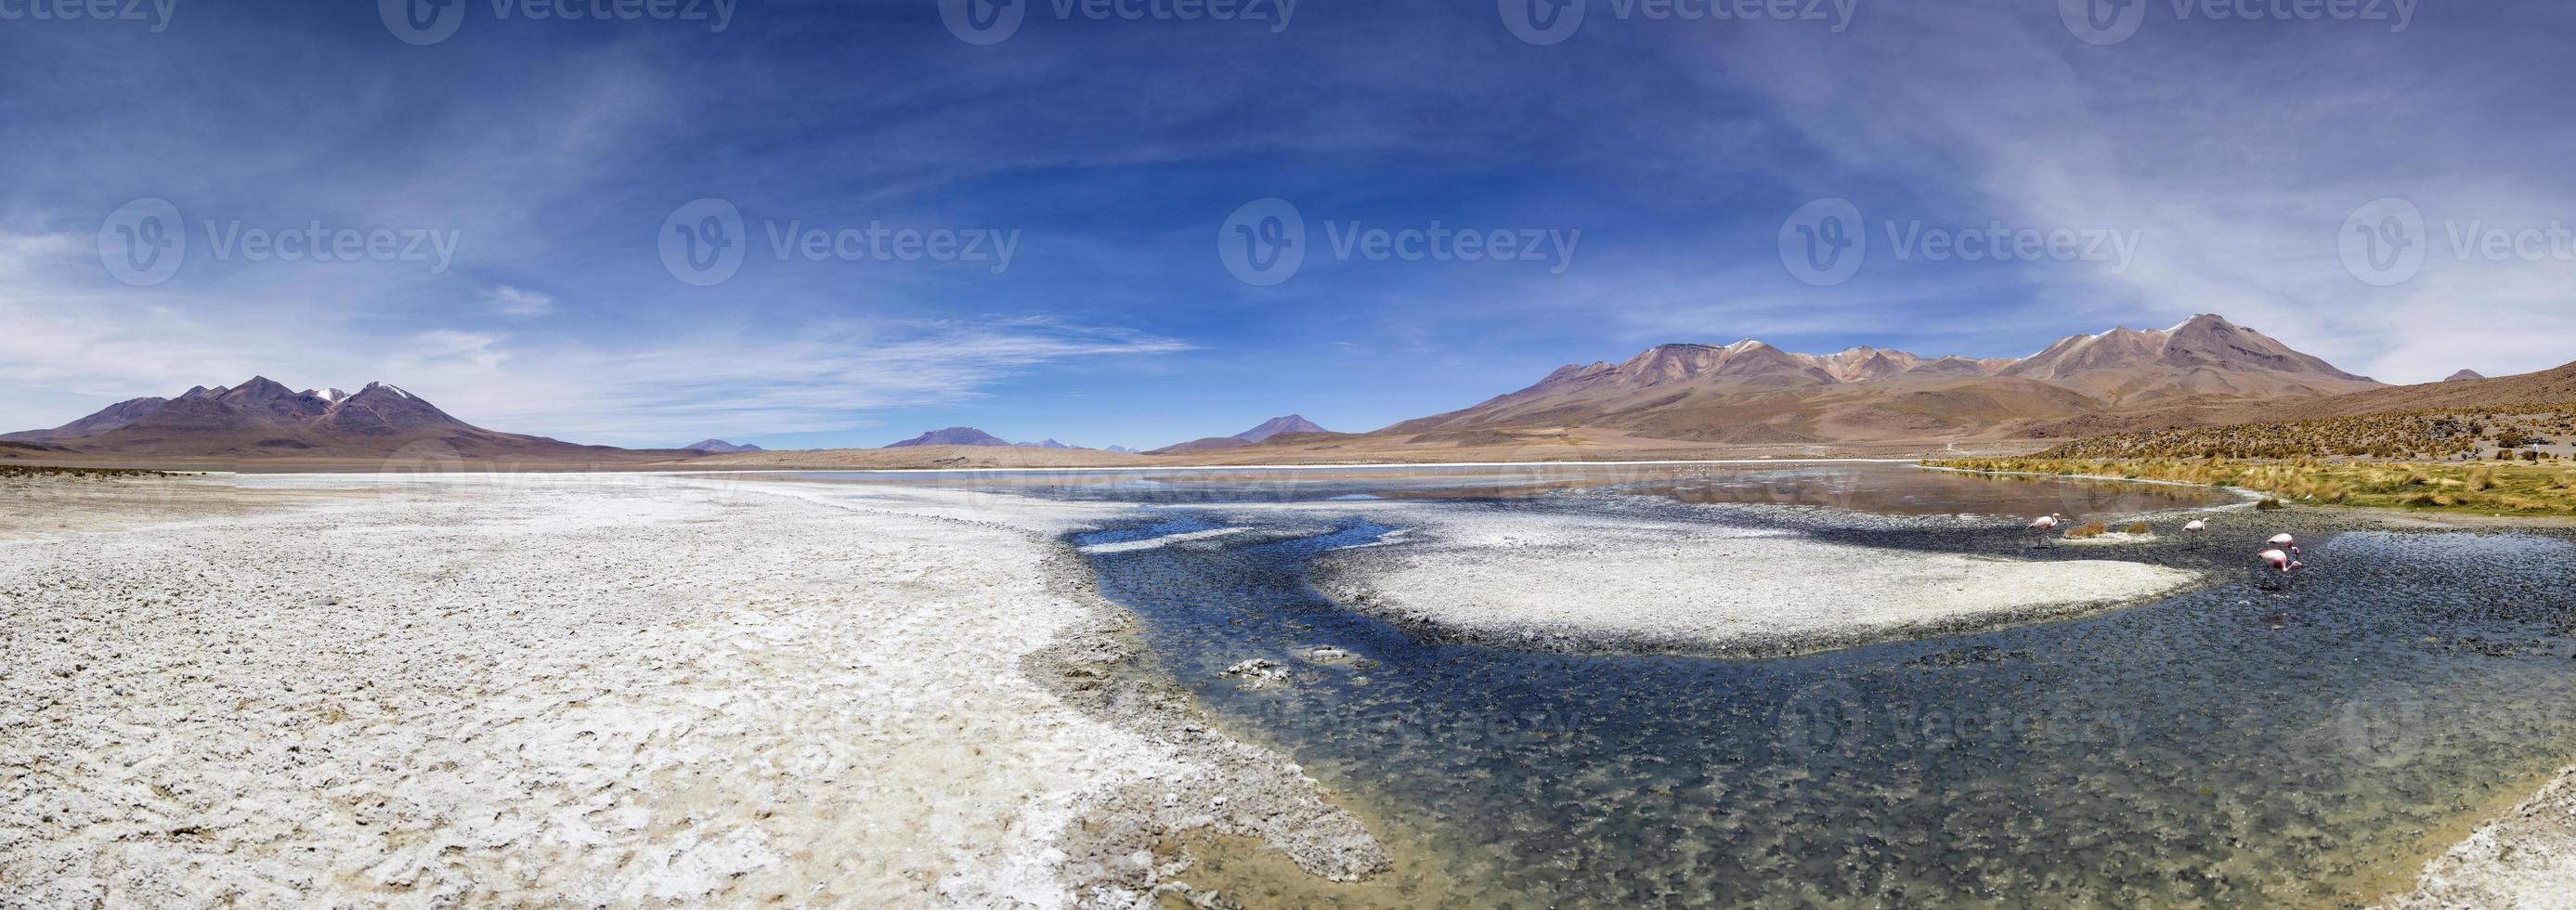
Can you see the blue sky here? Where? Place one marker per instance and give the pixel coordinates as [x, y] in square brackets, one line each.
[2231, 155]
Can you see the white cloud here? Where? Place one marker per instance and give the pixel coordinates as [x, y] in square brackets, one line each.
[517, 303]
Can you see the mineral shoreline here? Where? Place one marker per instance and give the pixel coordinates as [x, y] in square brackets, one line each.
[593, 691]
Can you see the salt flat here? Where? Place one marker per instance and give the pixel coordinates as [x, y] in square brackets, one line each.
[1560, 580]
[591, 691]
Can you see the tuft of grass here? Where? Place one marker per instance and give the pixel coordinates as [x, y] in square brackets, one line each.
[2095, 529]
[2139, 528]
[2543, 488]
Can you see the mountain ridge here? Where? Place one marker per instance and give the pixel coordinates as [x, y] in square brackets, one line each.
[1264, 432]
[264, 418]
[1751, 392]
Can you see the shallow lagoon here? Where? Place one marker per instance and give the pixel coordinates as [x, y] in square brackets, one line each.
[2247, 744]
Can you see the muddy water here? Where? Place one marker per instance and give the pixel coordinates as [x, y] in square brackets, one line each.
[2248, 744]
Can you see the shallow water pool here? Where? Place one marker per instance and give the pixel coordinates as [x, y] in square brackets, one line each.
[2252, 743]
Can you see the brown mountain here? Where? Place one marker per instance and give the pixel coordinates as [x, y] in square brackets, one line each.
[108, 418]
[1753, 393]
[2465, 375]
[261, 418]
[2205, 356]
[952, 436]
[2547, 387]
[1274, 427]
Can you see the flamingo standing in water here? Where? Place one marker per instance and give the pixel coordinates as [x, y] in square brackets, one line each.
[2046, 522]
[2287, 542]
[2282, 561]
[2196, 526]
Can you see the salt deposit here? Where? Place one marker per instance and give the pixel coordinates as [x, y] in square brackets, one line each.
[1558, 580]
[569, 691]
[2522, 860]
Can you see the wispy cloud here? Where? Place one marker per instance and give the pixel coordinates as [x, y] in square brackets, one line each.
[518, 304]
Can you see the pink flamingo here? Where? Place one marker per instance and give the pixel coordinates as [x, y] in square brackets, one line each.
[2282, 561]
[2287, 541]
[2046, 522]
[2196, 526]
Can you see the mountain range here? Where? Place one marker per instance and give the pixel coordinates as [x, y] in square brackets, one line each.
[2204, 371]
[1274, 427]
[262, 418]
[1751, 392]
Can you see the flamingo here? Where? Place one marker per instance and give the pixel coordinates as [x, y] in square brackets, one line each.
[2282, 561]
[2196, 526]
[2046, 522]
[2286, 541]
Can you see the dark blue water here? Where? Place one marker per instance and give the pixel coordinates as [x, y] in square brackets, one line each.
[2249, 744]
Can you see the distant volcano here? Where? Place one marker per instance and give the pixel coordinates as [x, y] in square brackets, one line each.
[262, 418]
[953, 436]
[1255, 436]
[721, 447]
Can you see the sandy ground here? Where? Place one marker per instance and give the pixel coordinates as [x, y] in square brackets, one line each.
[2524, 859]
[1583, 582]
[592, 692]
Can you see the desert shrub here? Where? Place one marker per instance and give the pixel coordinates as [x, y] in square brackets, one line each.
[2095, 529]
[2139, 528]
[2271, 504]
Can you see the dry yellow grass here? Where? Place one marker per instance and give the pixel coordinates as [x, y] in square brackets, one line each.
[2422, 435]
[2547, 488]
